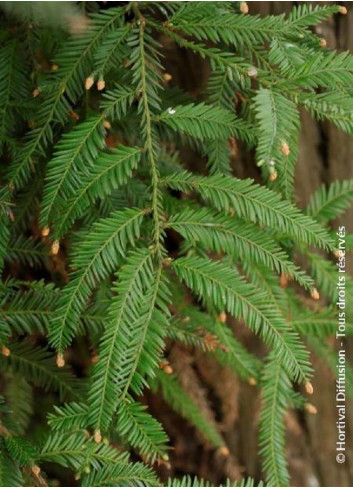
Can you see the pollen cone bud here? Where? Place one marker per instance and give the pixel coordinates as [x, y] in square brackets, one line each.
[310, 408]
[5, 351]
[322, 43]
[309, 389]
[315, 294]
[101, 84]
[337, 253]
[36, 92]
[273, 176]
[97, 436]
[45, 231]
[167, 77]
[54, 67]
[89, 82]
[285, 148]
[252, 381]
[244, 7]
[60, 362]
[343, 10]
[55, 247]
[222, 318]
[168, 370]
[35, 469]
[107, 125]
[166, 367]
[224, 451]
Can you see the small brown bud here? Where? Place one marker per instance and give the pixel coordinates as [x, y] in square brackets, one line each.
[97, 436]
[89, 82]
[283, 280]
[35, 469]
[168, 370]
[222, 317]
[101, 84]
[60, 362]
[315, 294]
[5, 351]
[310, 408]
[107, 125]
[54, 67]
[77, 476]
[94, 359]
[273, 176]
[166, 367]
[337, 253]
[167, 77]
[55, 247]
[252, 381]
[343, 10]
[309, 389]
[285, 148]
[45, 231]
[36, 92]
[244, 8]
[322, 43]
[224, 451]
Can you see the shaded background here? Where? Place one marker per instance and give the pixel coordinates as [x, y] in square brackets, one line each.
[326, 154]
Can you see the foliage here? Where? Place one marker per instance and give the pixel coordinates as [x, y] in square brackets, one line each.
[95, 188]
